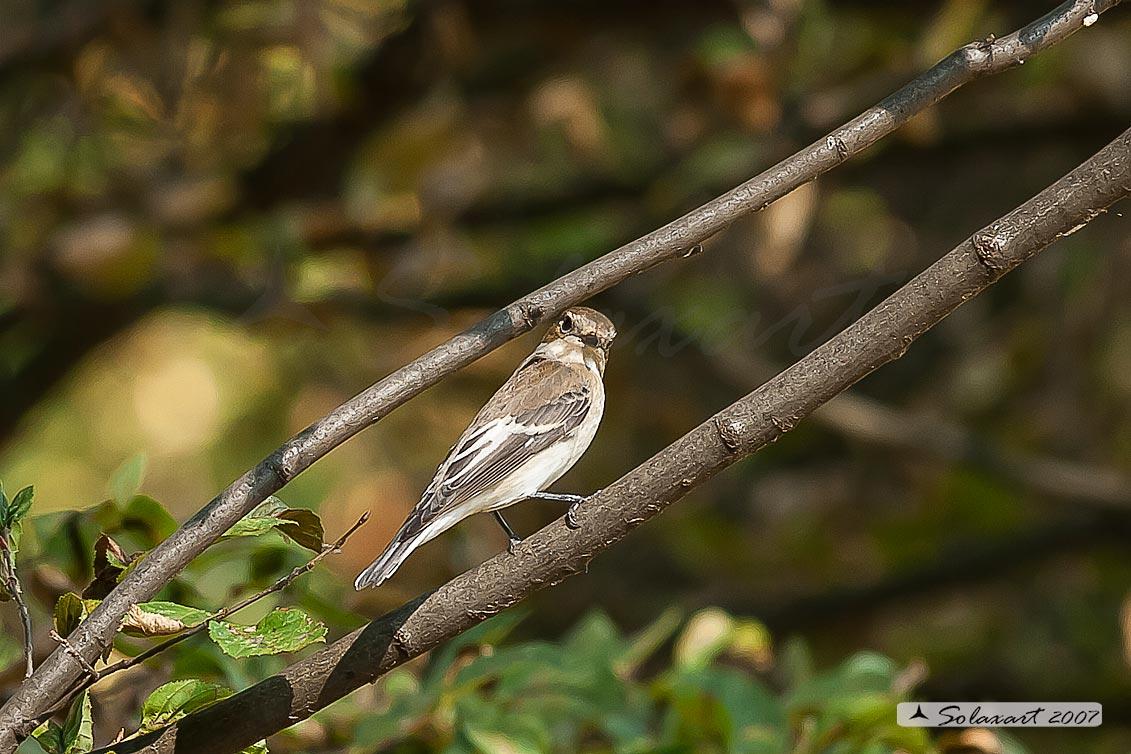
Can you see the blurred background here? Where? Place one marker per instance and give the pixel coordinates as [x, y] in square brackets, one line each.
[220, 220]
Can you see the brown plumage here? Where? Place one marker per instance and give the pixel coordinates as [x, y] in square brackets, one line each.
[531, 431]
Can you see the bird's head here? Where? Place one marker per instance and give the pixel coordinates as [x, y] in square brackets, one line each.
[586, 329]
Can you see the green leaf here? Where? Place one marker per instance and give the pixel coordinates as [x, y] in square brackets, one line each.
[300, 525]
[50, 737]
[161, 618]
[126, 481]
[78, 729]
[12, 512]
[149, 516]
[20, 505]
[283, 630]
[70, 611]
[74, 736]
[176, 699]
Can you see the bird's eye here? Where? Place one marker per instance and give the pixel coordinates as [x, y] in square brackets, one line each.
[567, 323]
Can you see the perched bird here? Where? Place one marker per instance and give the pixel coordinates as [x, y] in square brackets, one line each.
[530, 433]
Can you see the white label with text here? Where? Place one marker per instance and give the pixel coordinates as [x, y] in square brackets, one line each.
[999, 714]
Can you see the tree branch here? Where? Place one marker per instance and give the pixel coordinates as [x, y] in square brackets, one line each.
[557, 552]
[57, 673]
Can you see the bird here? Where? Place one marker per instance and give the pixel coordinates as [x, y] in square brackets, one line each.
[530, 433]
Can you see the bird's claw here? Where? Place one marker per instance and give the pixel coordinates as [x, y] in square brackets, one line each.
[512, 545]
[571, 515]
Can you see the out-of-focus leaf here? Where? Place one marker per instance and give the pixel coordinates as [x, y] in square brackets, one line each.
[283, 630]
[796, 663]
[706, 635]
[494, 731]
[78, 728]
[70, 611]
[126, 480]
[10, 650]
[645, 643]
[148, 516]
[174, 700]
[161, 618]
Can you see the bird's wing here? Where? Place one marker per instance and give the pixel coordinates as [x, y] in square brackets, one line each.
[542, 403]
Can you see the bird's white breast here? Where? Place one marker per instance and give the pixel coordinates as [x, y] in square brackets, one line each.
[548, 466]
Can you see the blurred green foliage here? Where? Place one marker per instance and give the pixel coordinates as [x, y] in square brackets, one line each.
[220, 220]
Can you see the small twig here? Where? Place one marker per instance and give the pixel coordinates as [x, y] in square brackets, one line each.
[62, 642]
[279, 585]
[93, 675]
[13, 582]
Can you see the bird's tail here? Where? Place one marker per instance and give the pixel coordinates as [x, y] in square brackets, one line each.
[390, 560]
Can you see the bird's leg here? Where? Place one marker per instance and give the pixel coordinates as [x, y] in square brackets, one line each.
[575, 502]
[513, 539]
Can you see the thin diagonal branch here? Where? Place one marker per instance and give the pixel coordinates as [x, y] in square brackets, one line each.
[12, 583]
[57, 674]
[93, 676]
[556, 552]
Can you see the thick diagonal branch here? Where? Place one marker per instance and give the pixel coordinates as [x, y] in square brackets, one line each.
[556, 552]
[58, 673]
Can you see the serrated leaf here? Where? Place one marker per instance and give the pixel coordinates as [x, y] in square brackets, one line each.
[174, 700]
[283, 630]
[78, 729]
[126, 480]
[161, 618]
[70, 611]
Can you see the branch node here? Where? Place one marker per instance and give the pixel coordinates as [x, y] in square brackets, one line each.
[784, 424]
[282, 471]
[978, 56]
[836, 143]
[68, 649]
[730, 432]
[989, 249]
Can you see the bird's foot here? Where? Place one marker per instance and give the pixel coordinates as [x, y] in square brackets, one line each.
[512, 545]
[571, 516]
